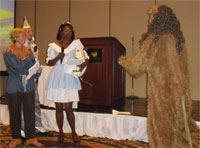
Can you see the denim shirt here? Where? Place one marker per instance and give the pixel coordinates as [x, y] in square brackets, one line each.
[17, 68]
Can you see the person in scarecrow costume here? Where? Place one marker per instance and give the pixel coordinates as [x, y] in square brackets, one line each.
[21, 89]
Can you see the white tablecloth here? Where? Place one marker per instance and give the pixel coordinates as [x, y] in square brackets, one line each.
[93, 124]
[46, 70]
[101, 125]
[119, 127]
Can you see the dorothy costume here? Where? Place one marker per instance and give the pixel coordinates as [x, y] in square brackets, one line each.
[62, 86]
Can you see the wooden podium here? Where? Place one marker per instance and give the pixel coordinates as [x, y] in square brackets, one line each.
[104, 74]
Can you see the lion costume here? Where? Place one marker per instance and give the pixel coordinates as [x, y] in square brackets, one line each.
[167, 88]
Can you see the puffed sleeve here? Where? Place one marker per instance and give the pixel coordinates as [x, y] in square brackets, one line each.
[51, 54]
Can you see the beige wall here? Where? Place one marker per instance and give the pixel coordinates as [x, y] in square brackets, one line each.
[129, 21]
[25, 8]
[124, 19]
[90, 18]
[48, 18]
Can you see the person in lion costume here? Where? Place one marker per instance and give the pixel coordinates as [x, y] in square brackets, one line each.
[163, 58]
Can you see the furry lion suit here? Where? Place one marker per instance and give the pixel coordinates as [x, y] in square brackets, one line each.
[163, 58]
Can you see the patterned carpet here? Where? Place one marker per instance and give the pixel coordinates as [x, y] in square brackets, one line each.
[50, 141]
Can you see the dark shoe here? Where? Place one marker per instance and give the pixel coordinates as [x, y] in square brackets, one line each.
[45, 134]
[76, 139]
[60, 137]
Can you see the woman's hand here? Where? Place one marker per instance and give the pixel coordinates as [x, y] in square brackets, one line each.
[53, 62]
[61, 55]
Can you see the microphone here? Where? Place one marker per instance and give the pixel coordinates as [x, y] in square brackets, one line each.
[62, 50]
[35, 48]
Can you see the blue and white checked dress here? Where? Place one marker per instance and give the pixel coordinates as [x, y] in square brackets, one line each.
[61, 85]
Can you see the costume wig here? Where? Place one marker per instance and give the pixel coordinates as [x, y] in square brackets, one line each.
[165, 22]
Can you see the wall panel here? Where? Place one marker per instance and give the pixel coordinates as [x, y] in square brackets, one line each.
[25, 8]
[49, 15]
[128, 23]
[90, 18]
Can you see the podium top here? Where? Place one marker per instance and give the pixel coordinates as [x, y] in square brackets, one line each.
[102, 40]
